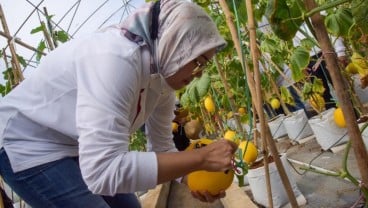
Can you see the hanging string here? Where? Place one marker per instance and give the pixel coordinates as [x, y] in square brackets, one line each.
[246, 87]
[89, 17]
[77, 4]
[40, 11]
[127, 9]
[126, 5]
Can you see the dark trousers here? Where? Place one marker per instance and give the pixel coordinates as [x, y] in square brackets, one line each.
[322, 73]
[180, 139]
[58, 184]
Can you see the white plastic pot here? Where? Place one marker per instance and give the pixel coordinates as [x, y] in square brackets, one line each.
[361, 93]
[327, 133]
[364, 135]
[277, 127]
[297, 126]
[232, 124]
[257, 182]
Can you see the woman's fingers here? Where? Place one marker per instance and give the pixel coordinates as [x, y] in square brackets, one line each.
[218, 155]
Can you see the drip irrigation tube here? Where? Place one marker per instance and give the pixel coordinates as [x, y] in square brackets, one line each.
[315, 167]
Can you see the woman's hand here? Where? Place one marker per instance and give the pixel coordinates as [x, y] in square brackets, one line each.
[218, 155]
[207, 197]
[204, 196]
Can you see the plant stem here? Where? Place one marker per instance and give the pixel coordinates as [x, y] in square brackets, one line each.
[348, 175]
[325, 7]
[230, 96]
[240, 180]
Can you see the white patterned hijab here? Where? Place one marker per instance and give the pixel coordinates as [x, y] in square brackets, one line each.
[185, 31]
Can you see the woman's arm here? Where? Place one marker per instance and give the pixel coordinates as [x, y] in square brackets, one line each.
[214, 157]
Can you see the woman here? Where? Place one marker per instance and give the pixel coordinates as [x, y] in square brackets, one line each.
[65, 129]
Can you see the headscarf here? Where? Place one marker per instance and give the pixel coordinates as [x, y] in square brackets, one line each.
[185, 32]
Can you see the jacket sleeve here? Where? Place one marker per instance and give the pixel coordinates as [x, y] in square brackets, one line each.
[340, 47]
[107, 85]
[158, 125]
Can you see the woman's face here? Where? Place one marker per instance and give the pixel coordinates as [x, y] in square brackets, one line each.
[191, 70]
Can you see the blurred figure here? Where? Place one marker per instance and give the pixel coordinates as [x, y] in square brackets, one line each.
[180, 138]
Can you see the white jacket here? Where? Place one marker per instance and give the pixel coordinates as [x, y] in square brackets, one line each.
[83, 100]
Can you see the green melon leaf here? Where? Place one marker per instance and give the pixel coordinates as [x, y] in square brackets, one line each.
[339, 22]
[299, 60]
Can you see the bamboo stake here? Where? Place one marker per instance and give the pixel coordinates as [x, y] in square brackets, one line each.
[7, 67]
[265, 152]
[251, 84]
[17, 72]
[49, 26]
[265, 131]
[47, 36]
[235, 38]
[16, 40]
[342, 94]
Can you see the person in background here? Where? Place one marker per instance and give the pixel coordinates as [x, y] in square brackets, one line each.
[285, 81]
[317, 66]
[290, 85]
[180, 138]
[64, 131]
